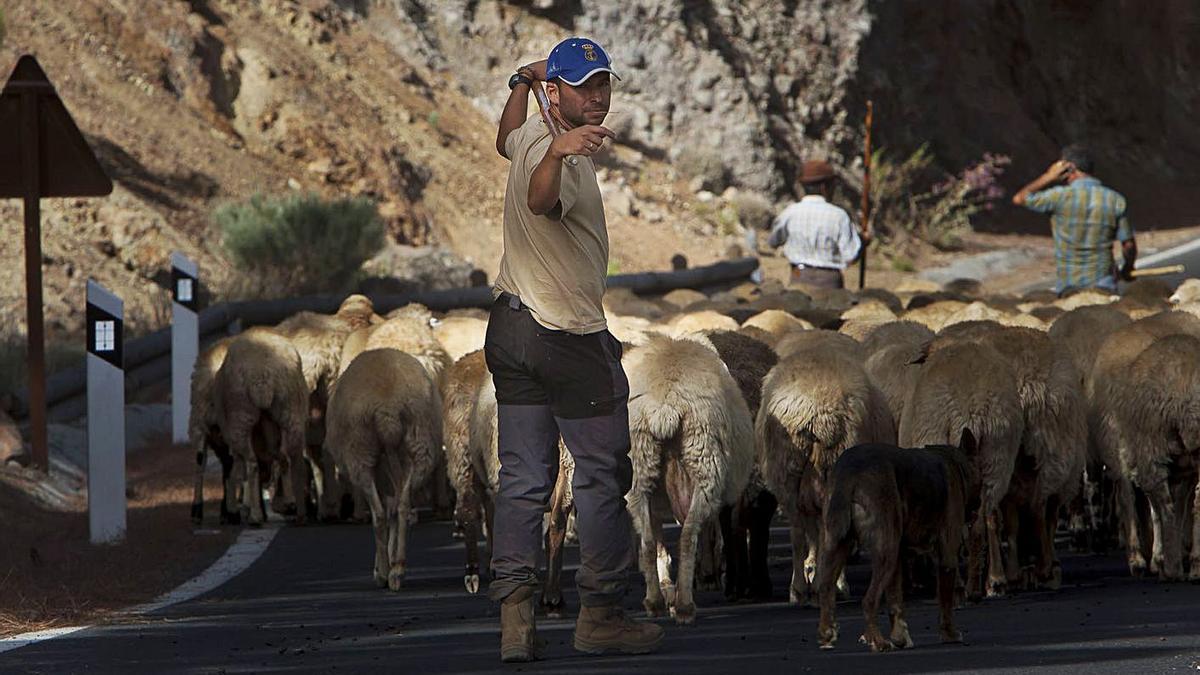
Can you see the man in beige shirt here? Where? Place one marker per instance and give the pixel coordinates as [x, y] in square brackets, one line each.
[556, 368]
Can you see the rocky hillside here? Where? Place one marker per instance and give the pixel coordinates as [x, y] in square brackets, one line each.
[191, 103]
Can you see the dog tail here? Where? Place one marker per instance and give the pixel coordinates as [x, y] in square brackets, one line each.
[839, 512]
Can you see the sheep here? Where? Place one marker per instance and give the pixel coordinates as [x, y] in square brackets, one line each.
[460, 335]
[384, 429]
[620, 300]
[1105, 397]
[260, 400]
[1082, 330]
[204, 433]
[913, 286]
[697, 322]
[859, 329]
[681, 298]
[409, 329]
[1188, 291]
[776, 322]
[869, 310]
[907, 332]
[816, 402]
[691, 439]
[969, 386]
[1049, 468]
[888, 298]
[796, 342]
[749, 521]
[1084, 298]
[934, 315]
[1159, 428]
[892, 369]
[464, 380]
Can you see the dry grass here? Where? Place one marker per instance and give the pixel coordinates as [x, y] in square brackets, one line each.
[51, 576]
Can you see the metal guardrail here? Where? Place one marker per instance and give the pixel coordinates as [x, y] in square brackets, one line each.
[148, 358]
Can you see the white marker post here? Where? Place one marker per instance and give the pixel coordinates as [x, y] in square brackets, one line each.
[185, 341]
[105, 415]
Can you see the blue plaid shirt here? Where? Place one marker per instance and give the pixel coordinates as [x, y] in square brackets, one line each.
[1086, 217]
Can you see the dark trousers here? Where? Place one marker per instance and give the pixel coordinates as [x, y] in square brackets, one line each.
[817, 276]
[550, 383]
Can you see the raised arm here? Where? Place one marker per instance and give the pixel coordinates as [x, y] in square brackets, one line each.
[1057, 171]
[516, 109]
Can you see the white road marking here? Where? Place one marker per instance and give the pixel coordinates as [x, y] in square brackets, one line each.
[250, 545]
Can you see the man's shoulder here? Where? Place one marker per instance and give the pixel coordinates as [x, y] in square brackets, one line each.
[529, 134]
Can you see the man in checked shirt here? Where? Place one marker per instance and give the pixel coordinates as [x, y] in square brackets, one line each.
[1085, 217]
[818, 238]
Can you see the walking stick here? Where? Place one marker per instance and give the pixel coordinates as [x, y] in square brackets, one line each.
[539, 95]
[866, 196]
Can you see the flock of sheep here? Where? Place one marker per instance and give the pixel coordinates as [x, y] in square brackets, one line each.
[1085, 408]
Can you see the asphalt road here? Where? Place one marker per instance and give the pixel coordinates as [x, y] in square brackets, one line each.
[308, 605]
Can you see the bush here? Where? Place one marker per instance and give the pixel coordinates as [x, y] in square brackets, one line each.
[705, 164]
[754, 211]
[908, 201]
[300, 244]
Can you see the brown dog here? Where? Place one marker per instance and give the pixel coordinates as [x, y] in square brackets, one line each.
[896, 502]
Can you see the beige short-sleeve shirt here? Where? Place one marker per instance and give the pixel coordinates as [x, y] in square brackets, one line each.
[557, 266]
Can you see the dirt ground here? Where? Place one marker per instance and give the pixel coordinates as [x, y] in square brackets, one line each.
[51, 576]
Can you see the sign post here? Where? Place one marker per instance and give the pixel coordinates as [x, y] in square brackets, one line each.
[105, 415]
[42, 154]
[185, 341]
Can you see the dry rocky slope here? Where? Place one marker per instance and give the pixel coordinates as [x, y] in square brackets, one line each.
[193, 103]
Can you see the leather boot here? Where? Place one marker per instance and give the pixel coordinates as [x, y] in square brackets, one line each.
[604, 629]
[518, 631]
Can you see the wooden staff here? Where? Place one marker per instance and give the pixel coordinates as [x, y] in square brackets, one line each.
[866, 196]
[539, 95]
[1156, 271]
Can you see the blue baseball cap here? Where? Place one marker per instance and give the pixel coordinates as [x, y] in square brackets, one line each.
[576, 59]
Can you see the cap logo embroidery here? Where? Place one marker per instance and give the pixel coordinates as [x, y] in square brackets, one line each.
[589, 51]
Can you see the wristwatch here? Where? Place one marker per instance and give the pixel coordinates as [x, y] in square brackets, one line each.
[518, 78]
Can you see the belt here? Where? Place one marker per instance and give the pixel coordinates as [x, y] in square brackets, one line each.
[802, 266]
[512, 301]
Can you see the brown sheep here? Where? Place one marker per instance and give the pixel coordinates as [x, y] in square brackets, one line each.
[746, 527]
[797, 342]
[907, 332]
[465, 379]
[1158, 423]
[816, 402]
[1105, 398]
[966, 386]
[385, 430]
[260, 399]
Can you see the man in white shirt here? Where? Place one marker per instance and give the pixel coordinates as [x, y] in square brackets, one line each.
[818, 238]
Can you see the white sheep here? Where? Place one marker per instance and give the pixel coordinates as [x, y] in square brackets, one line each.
[384, 428]
[816, 402]
[204, 432]
[692, 441]
[260, 399]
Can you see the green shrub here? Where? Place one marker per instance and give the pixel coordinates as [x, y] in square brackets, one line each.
[300, 244]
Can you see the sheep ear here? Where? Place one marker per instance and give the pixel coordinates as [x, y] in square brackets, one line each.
[967, 442]
[921, 354]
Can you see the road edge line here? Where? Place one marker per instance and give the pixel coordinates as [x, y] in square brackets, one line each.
[249, 547]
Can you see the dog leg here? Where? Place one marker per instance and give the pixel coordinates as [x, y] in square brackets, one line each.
[945, 594]
[798, 592]
[895, 597]
[831, 565]
[883, 569]
[976, 543]
[1045, 520]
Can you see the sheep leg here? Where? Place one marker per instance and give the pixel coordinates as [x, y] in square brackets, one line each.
[1194, 568]
[798, 591]
[997, 583]
[1049, 570]
[737, 578]
[976, 542]
[1012, 526]
[707, 566]
[467, 517]
[556, 535]
[1159, 493]
[699, 516]
[398, 531]
[252, 497]
[639, 511]
[201, 449]
[762, 509]
[1127, 514]
[379, 516]
[1156, 543]
[489, 522]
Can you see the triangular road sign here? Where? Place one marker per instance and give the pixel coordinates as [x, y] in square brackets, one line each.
[66, 165]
